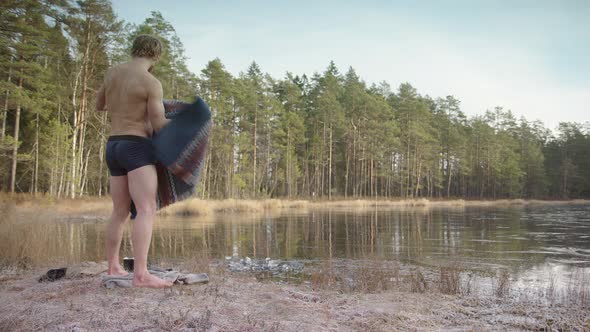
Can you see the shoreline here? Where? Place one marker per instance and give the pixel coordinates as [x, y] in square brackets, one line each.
[198, 207]
[241, 302]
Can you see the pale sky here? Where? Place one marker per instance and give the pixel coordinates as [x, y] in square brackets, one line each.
[532, 57]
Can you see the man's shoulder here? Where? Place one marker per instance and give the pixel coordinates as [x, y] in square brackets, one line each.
[113, 72]
[153, 81]
[116, 68]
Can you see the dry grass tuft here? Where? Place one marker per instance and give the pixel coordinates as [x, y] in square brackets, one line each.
[325, 278]
[363, 203]
[238, 206]
[12, 323]
[577, 290]
[374, 280]
[551, 287]
[418, 283]
[202, 322]
[93, 206]
[23, 199]
[467, 287]
[502, 283]
[368, 278]
[449, 203]
[198, 207]
[199, 264]
[252, 324]
[450, 280]
[42, 202]
[295, 204]
[190, 207]
[271, 205]
[8, 212]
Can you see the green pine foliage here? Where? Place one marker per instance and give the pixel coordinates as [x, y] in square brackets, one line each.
[325, 135]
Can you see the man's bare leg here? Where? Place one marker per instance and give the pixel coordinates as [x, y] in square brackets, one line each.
[142, 186]
[114, 231]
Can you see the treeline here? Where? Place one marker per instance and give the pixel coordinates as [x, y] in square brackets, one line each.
[54, 54]
[325, 135]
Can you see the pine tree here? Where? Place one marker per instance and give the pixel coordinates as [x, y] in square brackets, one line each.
[93, 26]
[217, 89]
[24, 40]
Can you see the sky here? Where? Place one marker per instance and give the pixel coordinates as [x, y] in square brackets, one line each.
[531, 57]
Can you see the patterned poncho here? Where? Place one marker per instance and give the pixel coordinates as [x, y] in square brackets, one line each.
[180, 149]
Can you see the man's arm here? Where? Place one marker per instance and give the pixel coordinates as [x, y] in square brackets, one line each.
[155, 106]
[100, 99]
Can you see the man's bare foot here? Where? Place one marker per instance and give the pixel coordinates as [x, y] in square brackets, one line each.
[150, 281]
[117, 270]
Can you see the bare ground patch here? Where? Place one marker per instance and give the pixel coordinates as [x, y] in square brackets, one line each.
[237, 302]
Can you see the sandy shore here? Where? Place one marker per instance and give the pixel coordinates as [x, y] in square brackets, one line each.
[238, 302]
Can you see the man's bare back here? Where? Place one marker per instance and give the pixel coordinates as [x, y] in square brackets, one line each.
[133, 98]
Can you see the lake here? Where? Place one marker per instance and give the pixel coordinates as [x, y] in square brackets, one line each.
[533, 242]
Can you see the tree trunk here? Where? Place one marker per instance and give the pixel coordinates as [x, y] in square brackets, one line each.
[346, 172]
[83, 111]
[254, 187]
[101, 152]
[330, 168]
[354, 161]
[4, 116]
[362, 187]
[16, 132]
[408, 169]
[5, 112]
[419, 176]
[36, 179]
[80, 126]
[75, 129]
[207, 171]
[267, 168]
[55, 167]
[230, 171]
[322, 162]
[371, 184]
[205, 177]
[449, 185]
[84, 173]
[61, 180]
[288, 170]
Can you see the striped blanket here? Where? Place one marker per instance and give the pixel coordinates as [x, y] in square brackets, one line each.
[180, 149]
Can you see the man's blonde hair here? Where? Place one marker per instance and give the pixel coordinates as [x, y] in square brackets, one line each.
[146, 46]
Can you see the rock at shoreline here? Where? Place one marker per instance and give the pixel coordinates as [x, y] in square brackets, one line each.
[53, 274]
[274, 266]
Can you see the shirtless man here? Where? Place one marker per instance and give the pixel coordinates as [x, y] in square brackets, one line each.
[133, 98]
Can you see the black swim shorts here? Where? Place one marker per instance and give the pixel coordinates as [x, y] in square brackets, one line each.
[128, 152]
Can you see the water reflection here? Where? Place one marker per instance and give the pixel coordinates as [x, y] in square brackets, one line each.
[520, 238]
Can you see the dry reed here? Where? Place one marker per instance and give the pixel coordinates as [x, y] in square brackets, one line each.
[198, 207]
[577, 290]
[450, 280]
[418, 283]
[502, 283]
[367, 278]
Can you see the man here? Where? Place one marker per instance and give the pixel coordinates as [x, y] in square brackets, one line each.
[133, 98]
